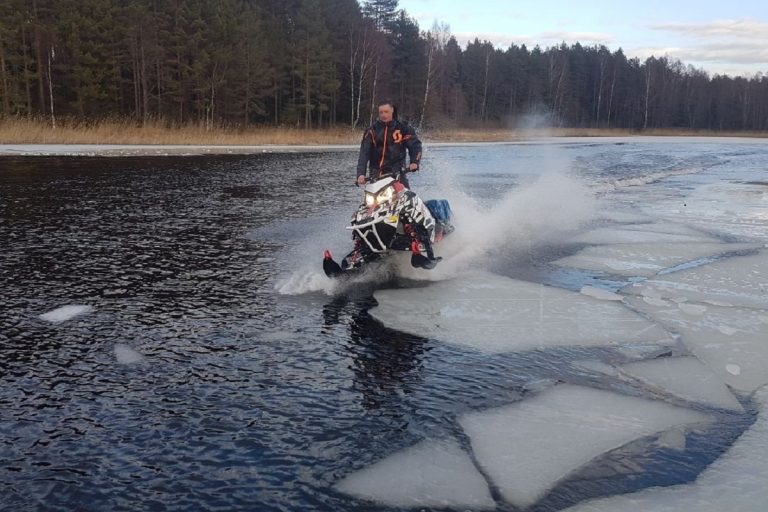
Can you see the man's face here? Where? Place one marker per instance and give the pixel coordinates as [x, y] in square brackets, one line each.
[385, 113]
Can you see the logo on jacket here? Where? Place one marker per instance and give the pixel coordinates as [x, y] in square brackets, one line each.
[397, 136]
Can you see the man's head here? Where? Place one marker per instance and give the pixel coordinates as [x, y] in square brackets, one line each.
[387, 111]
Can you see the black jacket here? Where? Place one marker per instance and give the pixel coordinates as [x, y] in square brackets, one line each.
[383, 148]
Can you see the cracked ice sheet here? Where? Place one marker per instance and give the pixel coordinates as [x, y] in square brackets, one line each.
[430, 474]
[735, 209]
[685, 377]
[643, 234]
[737, 281]
[527, 447]
[732, 341]
[736, 482]
[495, 314]
[645, 260]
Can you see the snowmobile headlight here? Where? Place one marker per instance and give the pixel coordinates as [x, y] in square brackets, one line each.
[385, 195]
[370, 199]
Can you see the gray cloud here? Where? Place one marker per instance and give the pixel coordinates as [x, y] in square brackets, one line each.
[722, 46]
[731, 29]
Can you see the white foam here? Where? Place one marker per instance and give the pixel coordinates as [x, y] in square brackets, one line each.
[736, 482]
[495, 314]
[644, 259]
[685, 377]
[723, 336]
[430, 474]
[306, 281]
[127, 355]
[65, 313]
[531, 214]
[527, 447]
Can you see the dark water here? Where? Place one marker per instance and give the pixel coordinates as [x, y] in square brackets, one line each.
[246, 399]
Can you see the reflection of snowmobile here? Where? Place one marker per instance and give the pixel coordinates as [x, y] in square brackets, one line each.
[392, 218]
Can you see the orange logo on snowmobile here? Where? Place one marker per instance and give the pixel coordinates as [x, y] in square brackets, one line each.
[397, 136]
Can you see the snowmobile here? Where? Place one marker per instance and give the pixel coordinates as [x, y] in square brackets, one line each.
[392, 218]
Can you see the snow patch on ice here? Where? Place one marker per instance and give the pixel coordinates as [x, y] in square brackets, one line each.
[431, 474]
[65, 313]
[527, 447]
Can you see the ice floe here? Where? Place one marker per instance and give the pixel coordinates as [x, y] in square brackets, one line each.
[673, 440]
[642, 234]
[736, 482]
[734, 209]
[645, 259]
[430, 474]
[685, 377]
[127, 355]
[65, 313]
[496, 314]
[527, 447]
[737, 281]
[596, 367]
[732, 341]
[600, 293]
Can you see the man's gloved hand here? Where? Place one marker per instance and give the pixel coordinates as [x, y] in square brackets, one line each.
[413, 167]
[361, 180]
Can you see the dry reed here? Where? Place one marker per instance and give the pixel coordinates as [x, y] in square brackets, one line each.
[69, 131]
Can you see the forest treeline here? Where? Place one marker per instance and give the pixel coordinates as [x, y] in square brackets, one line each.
[320, 63]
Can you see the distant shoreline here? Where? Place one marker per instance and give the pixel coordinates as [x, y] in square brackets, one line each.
[135, 150]
[122, 138]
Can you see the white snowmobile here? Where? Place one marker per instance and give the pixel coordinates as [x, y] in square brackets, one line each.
[393, 218]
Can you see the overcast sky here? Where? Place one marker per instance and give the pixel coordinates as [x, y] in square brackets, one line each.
[720, 36]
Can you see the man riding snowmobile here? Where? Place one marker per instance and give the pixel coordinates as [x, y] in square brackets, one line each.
[384, 146]
[392, 217]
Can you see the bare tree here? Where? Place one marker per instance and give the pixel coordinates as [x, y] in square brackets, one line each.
[435, 41]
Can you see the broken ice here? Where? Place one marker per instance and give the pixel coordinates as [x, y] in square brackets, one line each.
[430, 474]
[65, 313]
[736, 482]
[127, 355]
[527, 447]
[496, 314]
[685, 377]
[645, 259]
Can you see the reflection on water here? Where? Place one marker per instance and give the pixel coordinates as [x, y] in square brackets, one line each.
[244, 399]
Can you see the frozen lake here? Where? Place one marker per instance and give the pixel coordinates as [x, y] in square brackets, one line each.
[596, 337]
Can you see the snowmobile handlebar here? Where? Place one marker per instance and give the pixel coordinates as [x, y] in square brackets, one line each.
[395, 175]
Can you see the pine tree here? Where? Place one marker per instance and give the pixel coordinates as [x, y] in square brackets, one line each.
[384, 13]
